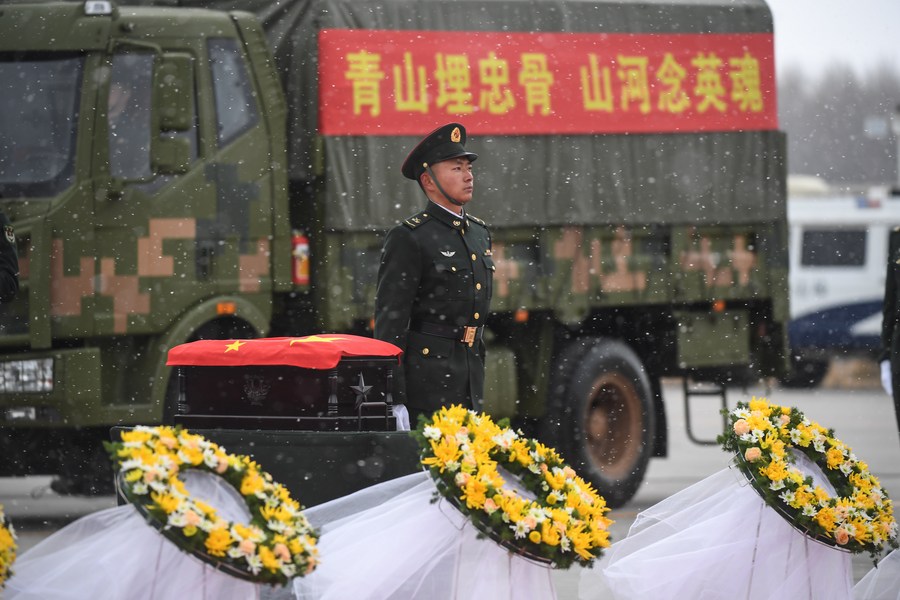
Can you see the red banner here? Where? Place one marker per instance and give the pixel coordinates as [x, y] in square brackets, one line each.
[377, 82]
[322, 351]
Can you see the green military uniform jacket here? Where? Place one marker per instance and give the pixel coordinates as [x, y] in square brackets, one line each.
[9, 261]
[890, 324]
[435, 279]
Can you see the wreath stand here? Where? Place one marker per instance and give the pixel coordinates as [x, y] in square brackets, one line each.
[392, 541]
[718, 539]
[116, 553]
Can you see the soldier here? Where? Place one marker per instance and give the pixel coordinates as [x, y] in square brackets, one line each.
[890, 330]
[435, 282]
[9, 261]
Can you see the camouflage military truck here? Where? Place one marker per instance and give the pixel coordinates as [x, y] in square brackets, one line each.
[185, 172]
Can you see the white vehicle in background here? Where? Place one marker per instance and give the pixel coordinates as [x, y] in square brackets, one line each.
[838, 248]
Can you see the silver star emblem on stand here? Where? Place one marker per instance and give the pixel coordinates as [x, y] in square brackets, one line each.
[362, 391]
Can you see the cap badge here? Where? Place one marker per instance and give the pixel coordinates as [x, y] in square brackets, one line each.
[455, 135]
[448, 253]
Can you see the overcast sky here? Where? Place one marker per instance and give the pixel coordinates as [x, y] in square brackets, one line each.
[816, 33]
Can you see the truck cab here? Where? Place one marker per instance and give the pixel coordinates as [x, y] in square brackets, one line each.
[143, 176]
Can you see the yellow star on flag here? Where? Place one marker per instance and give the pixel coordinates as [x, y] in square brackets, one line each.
[314, 338]
[234, 345]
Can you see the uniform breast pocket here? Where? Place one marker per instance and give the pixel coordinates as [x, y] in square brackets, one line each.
[453, 279]
[489, 269]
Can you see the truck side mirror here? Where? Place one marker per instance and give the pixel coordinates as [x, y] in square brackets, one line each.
[173, 84]
[173, 108]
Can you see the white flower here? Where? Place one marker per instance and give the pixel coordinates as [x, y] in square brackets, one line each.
[505, 439]
[846, 468]
[787, 497]
[432, 433]
[276, 526]
[520, 529]
[255, 564]
[776, 485]
[288, 570]
[809, 510]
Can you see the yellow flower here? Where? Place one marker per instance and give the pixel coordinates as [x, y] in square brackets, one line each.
[834, 457]
[446, 450]
[167, 502]
[189, 531]
[776, 471]
[268, 558]
[825, 518]
[549, 533]
[218, 542]
[251, 484]
[535, 537]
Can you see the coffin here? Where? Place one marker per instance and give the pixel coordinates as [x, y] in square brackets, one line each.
[323, 382]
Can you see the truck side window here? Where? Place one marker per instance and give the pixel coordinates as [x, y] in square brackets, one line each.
[236, 109]
[833, 248]
[128, 115]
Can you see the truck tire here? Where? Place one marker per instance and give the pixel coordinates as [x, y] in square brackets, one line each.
[605, 404]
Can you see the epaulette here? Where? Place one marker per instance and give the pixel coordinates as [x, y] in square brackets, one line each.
[476, 219]
[416, 220]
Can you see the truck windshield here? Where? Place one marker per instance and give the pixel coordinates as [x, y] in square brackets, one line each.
[39, 95]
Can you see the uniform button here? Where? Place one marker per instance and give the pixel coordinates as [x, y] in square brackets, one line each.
[425, 351]
[474, 257]
[477, 286]
[452, 268]
[477, 315]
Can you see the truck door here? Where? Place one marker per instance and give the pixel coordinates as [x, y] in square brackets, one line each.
[144, 227]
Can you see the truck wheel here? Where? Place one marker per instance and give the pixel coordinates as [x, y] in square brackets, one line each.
[611, 418]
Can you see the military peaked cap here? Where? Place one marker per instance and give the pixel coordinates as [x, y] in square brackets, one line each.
[442, 144]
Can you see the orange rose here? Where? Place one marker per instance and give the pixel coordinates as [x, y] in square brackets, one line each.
[841, 536]
[741, 426]
[752, 454]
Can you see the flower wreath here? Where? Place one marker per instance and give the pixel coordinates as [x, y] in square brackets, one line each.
[859, 518]
[563, 524]
[276, 545]
[7, 548]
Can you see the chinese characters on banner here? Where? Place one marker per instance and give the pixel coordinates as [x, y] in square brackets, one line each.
[406, 82]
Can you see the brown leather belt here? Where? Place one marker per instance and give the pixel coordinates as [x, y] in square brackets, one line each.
[463, 335]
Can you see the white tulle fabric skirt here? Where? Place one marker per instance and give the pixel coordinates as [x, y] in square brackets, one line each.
[717, 540]
[115, 554]
[881, 582]
[390, 541]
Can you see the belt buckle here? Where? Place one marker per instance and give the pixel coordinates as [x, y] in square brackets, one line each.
[469, 336]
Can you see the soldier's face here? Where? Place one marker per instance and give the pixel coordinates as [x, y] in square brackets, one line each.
[456, 177]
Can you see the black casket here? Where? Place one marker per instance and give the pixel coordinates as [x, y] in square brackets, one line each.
[324, 382]
[315, 411]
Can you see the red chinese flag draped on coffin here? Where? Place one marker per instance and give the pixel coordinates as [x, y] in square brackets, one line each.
[321, 351]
